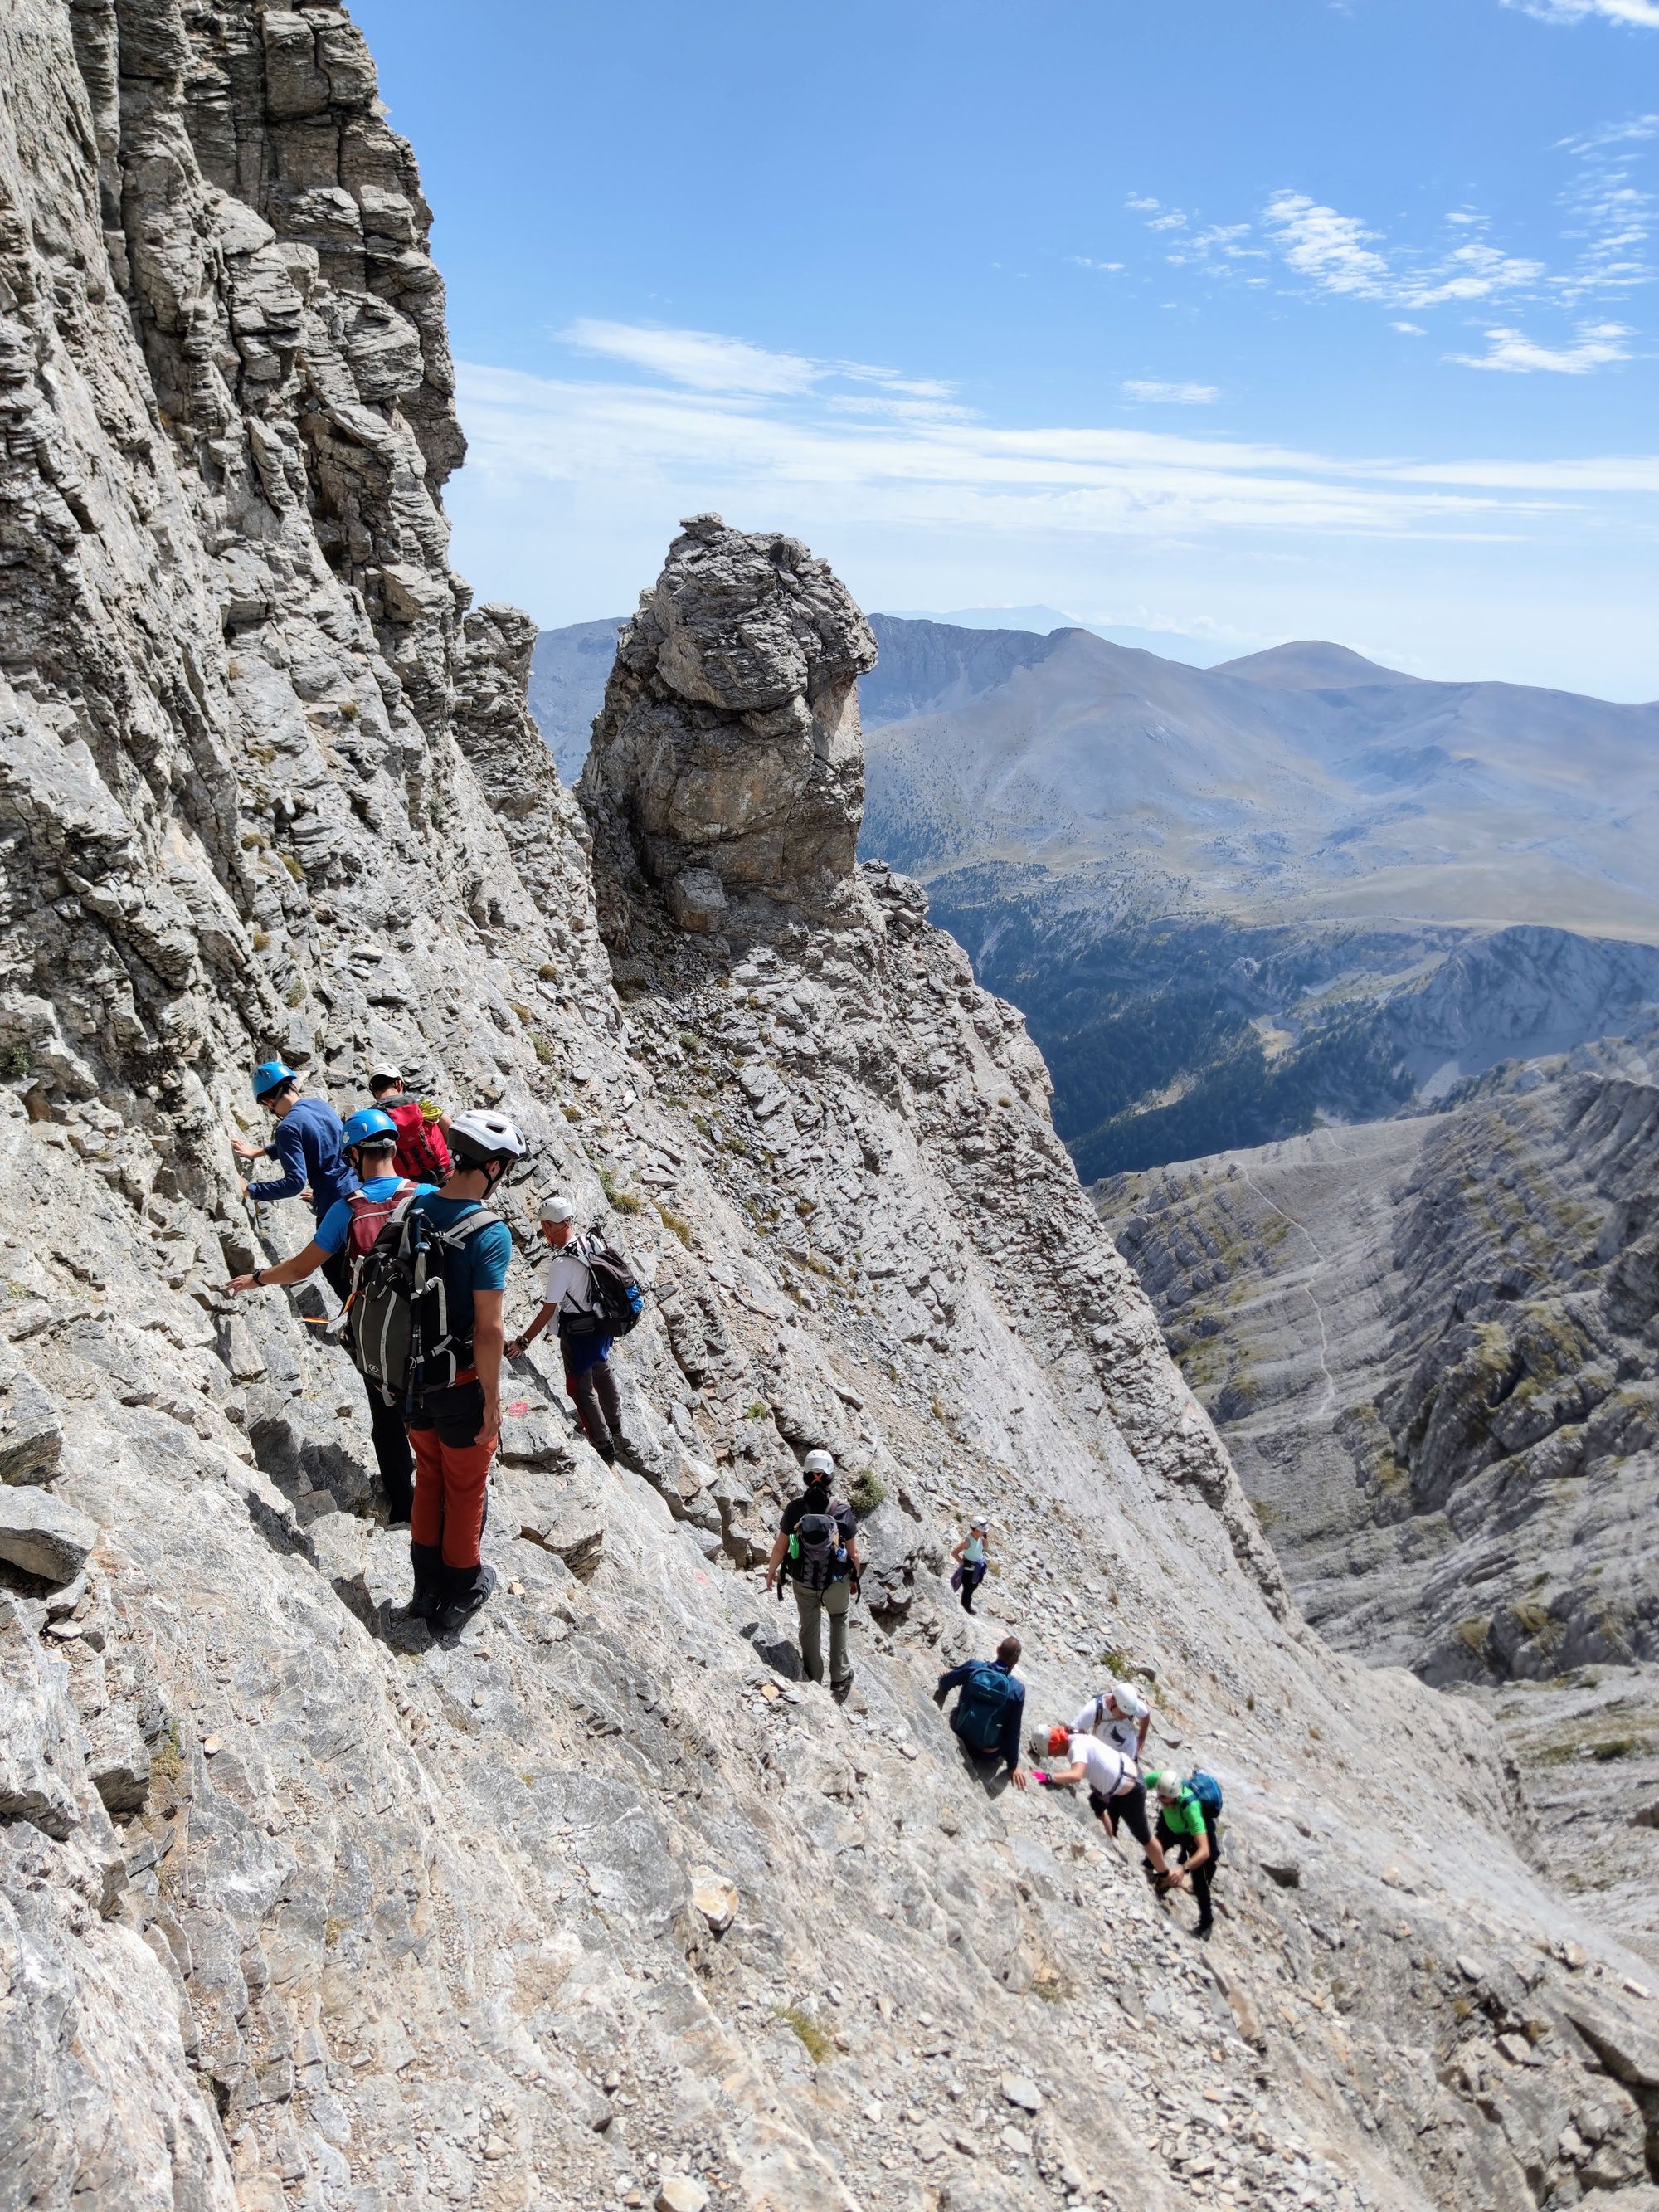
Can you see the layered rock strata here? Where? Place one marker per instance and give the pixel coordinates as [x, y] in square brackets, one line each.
[300, 1907]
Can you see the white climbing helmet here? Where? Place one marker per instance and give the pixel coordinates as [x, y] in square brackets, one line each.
[818, 1462]
[480, 1138]
[1167, 1785]
[557, 1207]
[1129, 1703]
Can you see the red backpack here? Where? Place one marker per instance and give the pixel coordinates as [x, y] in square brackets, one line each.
[422, 1154]
[368, 1218]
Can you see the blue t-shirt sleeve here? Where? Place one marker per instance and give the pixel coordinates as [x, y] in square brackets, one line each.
[490, 1252]
[335, 1226]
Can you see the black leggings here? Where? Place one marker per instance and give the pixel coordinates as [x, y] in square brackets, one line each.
[1185, 1846]
[1129, 1806]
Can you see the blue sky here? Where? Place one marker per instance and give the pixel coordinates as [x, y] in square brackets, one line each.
[1246, 318]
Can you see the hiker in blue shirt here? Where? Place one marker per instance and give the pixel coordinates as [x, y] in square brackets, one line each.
[309, 1140]
[343, 1237]
[991, 1708]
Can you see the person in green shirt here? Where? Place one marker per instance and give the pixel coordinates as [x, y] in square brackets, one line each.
[1183, 1828]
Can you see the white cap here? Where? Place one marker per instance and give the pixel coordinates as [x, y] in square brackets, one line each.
[980, 1521]
[818, 1462]
[383, 1073]
[555, 1207]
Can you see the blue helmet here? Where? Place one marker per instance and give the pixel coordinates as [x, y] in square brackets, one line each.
[270, 1075]
[367, 1121]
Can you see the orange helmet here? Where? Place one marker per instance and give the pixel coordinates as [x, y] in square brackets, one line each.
[1060, 1740]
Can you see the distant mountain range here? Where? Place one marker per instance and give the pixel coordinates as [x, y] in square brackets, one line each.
[1235, 902]
[1303, 781]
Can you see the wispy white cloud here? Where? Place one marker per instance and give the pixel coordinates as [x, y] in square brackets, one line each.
[1178, 395]
[1598, 345]
[1409, 330]
[808, 453]
[708, 360]
[1643, 12]
[1337, 253]
[1106, 267]
[702, 359]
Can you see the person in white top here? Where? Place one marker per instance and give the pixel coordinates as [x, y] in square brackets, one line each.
[1115, 1789]
[1120, 1717]
[567, 1293]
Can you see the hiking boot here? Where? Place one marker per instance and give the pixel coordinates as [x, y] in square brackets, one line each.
[1204, 1931]
[427, 1560]
[607, 1452]
[451, 1618]
[843, 1690]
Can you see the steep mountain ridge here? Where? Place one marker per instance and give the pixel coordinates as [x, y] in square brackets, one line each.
[301, 1907]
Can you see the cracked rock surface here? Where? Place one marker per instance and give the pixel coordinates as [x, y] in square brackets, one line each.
[299, 1906]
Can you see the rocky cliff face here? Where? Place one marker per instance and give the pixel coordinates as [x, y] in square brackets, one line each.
[595, 1905]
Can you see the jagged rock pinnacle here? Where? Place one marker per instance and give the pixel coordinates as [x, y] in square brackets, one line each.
[727, 761]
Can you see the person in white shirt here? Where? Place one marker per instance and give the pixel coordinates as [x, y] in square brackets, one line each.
[1118, 1716]
[1115, 1789]
[568, 1294]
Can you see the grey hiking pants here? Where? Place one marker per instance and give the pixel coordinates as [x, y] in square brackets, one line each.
[813, 1606]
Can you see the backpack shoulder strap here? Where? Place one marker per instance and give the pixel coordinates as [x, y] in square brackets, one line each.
[462, 1231]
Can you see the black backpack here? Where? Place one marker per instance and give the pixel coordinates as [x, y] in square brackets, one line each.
[616, 1301]
[396, 1324]
[818, 1549]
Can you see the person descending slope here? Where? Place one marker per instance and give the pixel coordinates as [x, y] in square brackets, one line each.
[422, 1150]
[991, 1709]
[344, 1238]
[589, 1287]
[1115, 1789]
[817, 1546]
[1189, 1825]
[1118, 1716]
[309, 1141]
[453, 1254]
[972, 1564]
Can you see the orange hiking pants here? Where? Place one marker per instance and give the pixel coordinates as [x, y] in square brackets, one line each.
[452, 1474]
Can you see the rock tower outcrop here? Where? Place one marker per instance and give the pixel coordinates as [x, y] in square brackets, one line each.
[726, 763]
[299, 1907]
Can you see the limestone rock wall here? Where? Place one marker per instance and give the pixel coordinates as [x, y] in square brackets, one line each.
[300, 1907]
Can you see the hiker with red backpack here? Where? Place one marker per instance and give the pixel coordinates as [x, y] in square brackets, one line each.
[991, 1707]
[589, 1289]
[343, 1238]
[422, 1146]
[817, 1551]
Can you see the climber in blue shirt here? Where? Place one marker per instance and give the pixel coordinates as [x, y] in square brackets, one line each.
[309, 1141]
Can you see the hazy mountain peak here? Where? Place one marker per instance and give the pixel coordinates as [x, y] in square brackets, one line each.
[1311, 665]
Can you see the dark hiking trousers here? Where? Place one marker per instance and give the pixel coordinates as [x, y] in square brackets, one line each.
[598, 1403]
[1129, 1806]
[386, 1423]
[392, 1455]
[1182, 1845]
